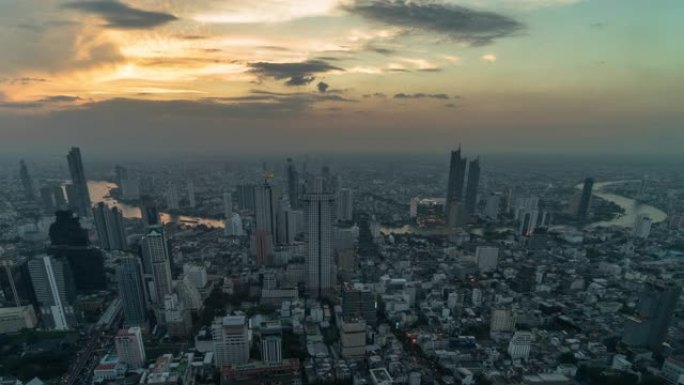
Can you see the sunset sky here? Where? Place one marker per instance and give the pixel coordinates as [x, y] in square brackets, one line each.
[237, 76]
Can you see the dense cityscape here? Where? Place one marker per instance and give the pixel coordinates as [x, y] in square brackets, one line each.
[341, 270]
[341, 192]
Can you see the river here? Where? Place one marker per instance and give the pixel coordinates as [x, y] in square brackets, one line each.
[99, 192]
[631, 207]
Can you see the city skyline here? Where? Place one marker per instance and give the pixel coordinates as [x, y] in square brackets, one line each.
[540, 76]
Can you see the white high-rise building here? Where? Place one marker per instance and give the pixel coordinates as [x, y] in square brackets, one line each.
[271, 342]
[413, 207]
[642, 226]
[196, 274]
[487, 258]
[345, 204]
[156, 256]
[520, 345]
[319, 218]
[231, 340]
[53, 285]
[233, 226]
[130, 347]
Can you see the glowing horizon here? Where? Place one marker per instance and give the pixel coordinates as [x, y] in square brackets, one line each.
[575, 74]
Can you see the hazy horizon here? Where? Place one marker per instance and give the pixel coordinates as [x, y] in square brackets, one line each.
[532, 76]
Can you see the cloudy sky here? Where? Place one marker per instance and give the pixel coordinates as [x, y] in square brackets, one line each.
[240, 76]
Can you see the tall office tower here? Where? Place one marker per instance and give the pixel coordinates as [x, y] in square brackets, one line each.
[148, 211]
[69, 241]
[292, 184]
[642, 226]
[172, 199]
[487, 258]
[156, 256]
[15, 282]
[271, 342]
[471, 187]
[358, 300]
[492, 205]
[585, 199]
[233, 226]
[345, 205]
[26, 181]
[121, 174]
[266, 206]
[231, 340]
[129, 185]
[227, 204]
[191, 194]
[79, 183]
[47, 199]
[60, 200]
[455, 210]
[177, 316]
[245, 196]
[55, 292]
[319, 218]
[188, 294]
[110, 227]
[130, 347]
[286, 222]
[520, 345]
[648, 327]
[129, 277]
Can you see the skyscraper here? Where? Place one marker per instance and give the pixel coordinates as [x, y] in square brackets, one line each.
[454, 205]
[345, 205]
[53, 284]
[648, 327]
[319, 217]
[26, 181]
[130, 347]
[227, 204]
[286, 222]
[129, 277]
[271, 342]
[472, 186]
[585, 199]
[245, 196]
[110, 228]
[69, 241]
[266, 206]
[148, 211]
[358, 300]
[15, 282]
[156, 256]
[80, 195]
[292, 184]
[231, 340]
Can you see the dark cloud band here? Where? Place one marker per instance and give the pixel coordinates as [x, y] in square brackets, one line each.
[122, 16]
[297, 74]
[459, 23]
